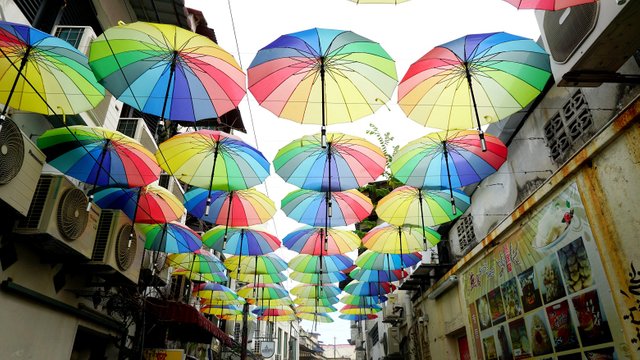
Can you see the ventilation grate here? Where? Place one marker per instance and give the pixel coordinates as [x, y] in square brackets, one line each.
[126, 246]
[72, 214]
[567, 29]
[32, 220]
[568, 127]
[11, 151]
[466, 235]
[102, 236]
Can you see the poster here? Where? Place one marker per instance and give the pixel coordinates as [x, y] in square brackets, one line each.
[543, 293]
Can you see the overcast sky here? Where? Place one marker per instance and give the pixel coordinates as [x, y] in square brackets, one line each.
[406, 31]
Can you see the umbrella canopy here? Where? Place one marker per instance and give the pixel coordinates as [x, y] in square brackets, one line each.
[369, 288]
[281, 318]
[276, 310]
[316, 302]
[318, 317]
[358, 310]
[321, 241]
[151, 204]
[276, 278]
[316, 309]
[362, 300]
[42, 73]
[372, 260]
[212, 302]
[447, 160]
[199, 261]
[407, 205]
[167, 71]
[99, 156]
[346, 162]
[474, 80]
[214, 291]
[213, 160]
[221, 310]
[284, 301]
[170, 237]
[317, 278]
[322, 76]
[365, 275]
[550, 5]
[262, 291]
[230, 208]
[352, 317]
[218, 277]
[327, 209]
[391, 239]
[240, 241]
[317, 264]
[237, 318]
[315, 291]
[262, 264]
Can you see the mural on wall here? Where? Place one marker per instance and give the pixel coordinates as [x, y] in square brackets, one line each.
[543, 293]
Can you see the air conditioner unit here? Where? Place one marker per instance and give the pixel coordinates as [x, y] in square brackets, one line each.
[393, 311]
[20, 163]
[57, 222]
[115, 254]
[153, 264]
[589, 43]
[393, 340]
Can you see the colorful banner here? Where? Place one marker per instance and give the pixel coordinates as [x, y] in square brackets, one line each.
[543, 292]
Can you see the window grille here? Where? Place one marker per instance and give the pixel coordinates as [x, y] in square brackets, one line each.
[128, 127]
[236, 332]
[72, 35]
[568, 126]
[466, 235]
[373, 335]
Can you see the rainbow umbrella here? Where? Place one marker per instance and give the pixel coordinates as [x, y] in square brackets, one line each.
[362, 300]
[214, 291]
[315, 278]
[321, 241]
[310, 291]
[474, 80]
[43, 74]
[230, 208]
[240, 241]
[170, 237]
[318, 264]
[314, 309]
[316, 302]
[213, 160]
[215, 302]
[285, 301]
[219, 277]
[372, 260]
[407, 205]
[276, 310]
[151, 204]
[549, 5]
[366, 275]
[264, 292]
[352, 317]
[276, 278]
[99, 156]
[319, 317]
[391, 239]
[221, 310]
[199, 261]
[262, 264]
[281, 318]
[167, 71]
[358, 310]
[315, 208]
[369, 288]
[346, 162]
[237, 318]
[322, 76]
[448, 160]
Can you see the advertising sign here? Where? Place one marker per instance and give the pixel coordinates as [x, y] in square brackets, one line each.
[543, 292]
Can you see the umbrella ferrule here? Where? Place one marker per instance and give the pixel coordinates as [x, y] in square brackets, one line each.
[88, 202]
[207, 207]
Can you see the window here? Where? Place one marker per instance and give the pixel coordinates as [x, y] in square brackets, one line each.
[466, 235]
[236, 332]
[256, 341]
[164, 180]
[568, 127]
[72, 35]
[128, 127]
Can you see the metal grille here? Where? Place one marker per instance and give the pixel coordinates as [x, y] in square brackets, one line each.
[32, 220]
[29, 8]
[11, 151]
[566, 30]
[373, 335]
[236, 331]
[72, 215]
[72, 35]
[128, 127]
[102, 236]
[126, 246]
[466, 235]
[568, 126]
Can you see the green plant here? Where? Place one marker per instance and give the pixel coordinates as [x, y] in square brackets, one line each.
[384, 140]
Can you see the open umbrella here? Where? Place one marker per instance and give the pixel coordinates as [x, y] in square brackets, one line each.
[213, 160]
[448, 160]
[311, 291]
[264, 292]
[315, 208]
[322, 76]
[316, 278]
[372, 260]
[550, 5]
[358, 309]
[214, 291]
[42, 73]
[167, 71]
[366, 275]
[284, 301]
[319, 317]
[230, 208]
[170, 237]
[313, 302]
[219, 277]
[221, 310]
[237, 318]
[151, 204]
[362, 300]
[346, 162]
[262, 264]
[240, 241]
[474, 80]
[318, 264]
[391, 239]
[275, 278]
[274, 310]
[369, 288]
[406, 205]
[313, 309]
[212, 302]
[312, 241]
[199, 261]
[99, 156]
[352, 317]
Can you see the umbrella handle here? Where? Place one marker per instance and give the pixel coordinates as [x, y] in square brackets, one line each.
[213, 170]
[323, 128]
[483, 143]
